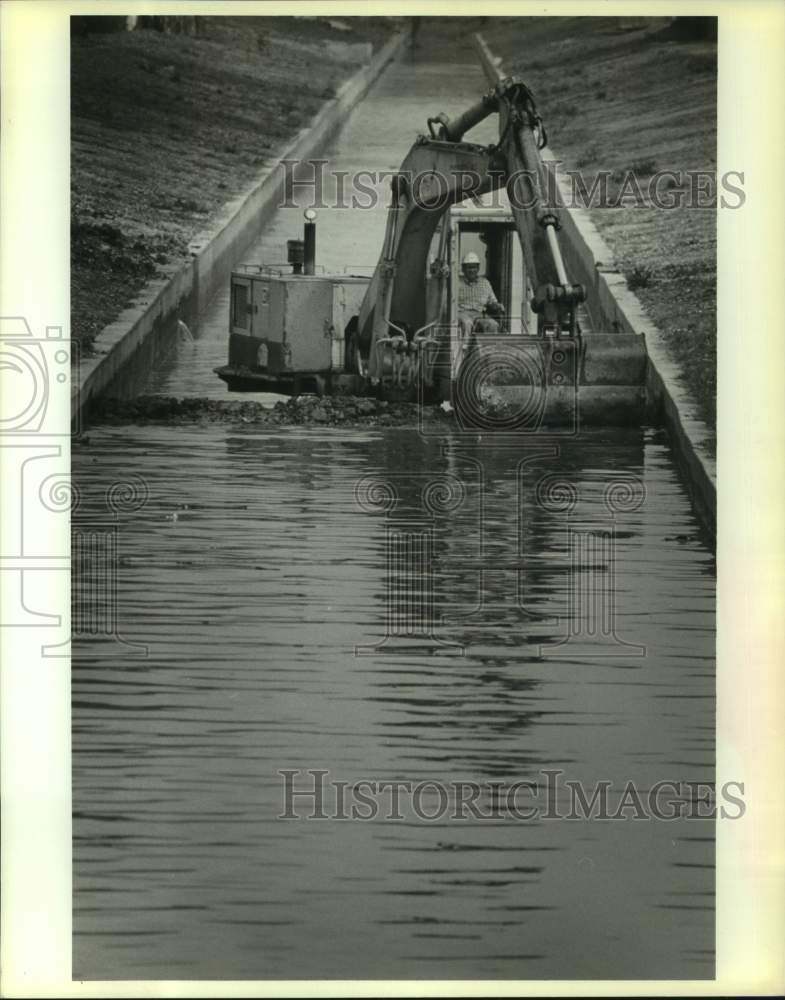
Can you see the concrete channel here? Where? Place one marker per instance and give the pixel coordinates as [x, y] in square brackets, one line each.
[144, 333]
[143, 337]
[570, 629]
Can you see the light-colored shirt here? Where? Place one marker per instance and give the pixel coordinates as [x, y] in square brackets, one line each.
[474, 296]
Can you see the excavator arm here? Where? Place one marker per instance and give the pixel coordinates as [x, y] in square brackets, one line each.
[440, 170]
[289, 333]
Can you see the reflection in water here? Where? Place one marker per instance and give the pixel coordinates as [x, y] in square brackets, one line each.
[271, 577]
[387, 606]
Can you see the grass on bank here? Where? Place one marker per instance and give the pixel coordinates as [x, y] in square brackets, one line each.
[640, 95]
[166, 128]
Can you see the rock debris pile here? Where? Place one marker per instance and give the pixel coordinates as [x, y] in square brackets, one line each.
[323, 411]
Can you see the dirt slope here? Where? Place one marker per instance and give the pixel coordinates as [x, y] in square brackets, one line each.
[630, 94]
[165, 128]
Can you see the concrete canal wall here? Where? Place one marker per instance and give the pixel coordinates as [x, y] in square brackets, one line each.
[129, 347]
[614, 308]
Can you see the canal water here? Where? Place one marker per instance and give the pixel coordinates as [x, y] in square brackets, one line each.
[394, 606]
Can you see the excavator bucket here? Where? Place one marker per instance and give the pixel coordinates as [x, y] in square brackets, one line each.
[525, 384]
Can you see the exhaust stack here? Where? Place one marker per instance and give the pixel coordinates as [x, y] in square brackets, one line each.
[309, 241]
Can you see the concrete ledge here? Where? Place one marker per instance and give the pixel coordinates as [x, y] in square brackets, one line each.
[142, 334]
[613, 308]
[618, 310]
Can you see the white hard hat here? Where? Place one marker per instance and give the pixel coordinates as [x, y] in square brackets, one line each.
[471, 258]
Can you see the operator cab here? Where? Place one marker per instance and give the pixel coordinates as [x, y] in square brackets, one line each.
[488, 230]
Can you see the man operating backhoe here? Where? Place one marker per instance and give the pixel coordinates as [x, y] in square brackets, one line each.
[477, 303]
